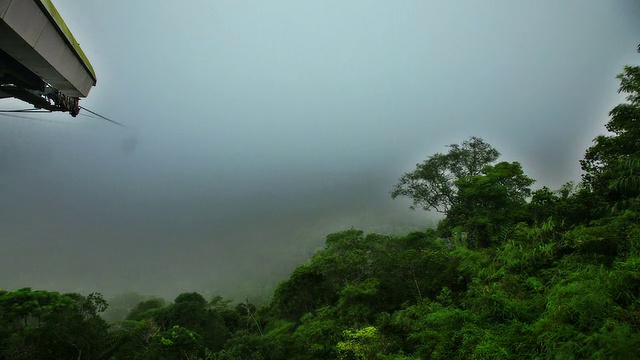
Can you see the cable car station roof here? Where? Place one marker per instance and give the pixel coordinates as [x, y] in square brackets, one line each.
[36, 44]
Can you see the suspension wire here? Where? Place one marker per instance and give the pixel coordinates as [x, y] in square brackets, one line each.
[89, 115]
[43, 111]
[30, 111]
[100, 116]
[2, 113]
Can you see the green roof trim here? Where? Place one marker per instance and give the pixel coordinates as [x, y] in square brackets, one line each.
[62, 27]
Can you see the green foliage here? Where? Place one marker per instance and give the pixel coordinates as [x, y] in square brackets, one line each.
[357, 301]
[175, 343]
[572, 204]
[129, 339]
[433, 330]
[277, 343]
[306, 290]
[146, 309]
[611, 164]
[490, 202]
[361, 344]
[192, 312]
[582, 319]
[431, 185]
[38, 324]
[627, 184]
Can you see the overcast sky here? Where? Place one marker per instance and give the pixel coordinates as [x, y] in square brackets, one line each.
[254, 128]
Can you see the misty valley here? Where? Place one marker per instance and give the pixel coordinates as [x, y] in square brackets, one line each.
[302, 180]
[509, 272]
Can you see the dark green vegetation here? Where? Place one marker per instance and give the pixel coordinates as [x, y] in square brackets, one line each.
[509, 273]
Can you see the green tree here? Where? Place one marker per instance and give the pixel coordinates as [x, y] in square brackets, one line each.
[627, 184]
[175, 343]
[146, 309]
[431, 185]
[40, 324]
[569, 206]
[130, 339]
[490, 203]
[306, 290]
[276, 344]
[361, 344]
[318, 333]
[192, 312]
[611, 164]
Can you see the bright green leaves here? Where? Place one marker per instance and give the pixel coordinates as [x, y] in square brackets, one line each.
[433, 331]
[583, 318]
[361, 344]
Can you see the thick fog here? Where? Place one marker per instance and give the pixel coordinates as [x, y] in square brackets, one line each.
[254, 128]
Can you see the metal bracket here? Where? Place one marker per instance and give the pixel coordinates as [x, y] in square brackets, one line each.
[50, 99]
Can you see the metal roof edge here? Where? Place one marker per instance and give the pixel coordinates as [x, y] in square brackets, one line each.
[54, 15]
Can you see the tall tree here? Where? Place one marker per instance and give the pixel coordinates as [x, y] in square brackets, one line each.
[192, 312]
[490, 203]
[431, 185]
[38, 324]
[611, 164]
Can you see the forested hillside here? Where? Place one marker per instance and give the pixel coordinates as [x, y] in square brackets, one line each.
[509, 273]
